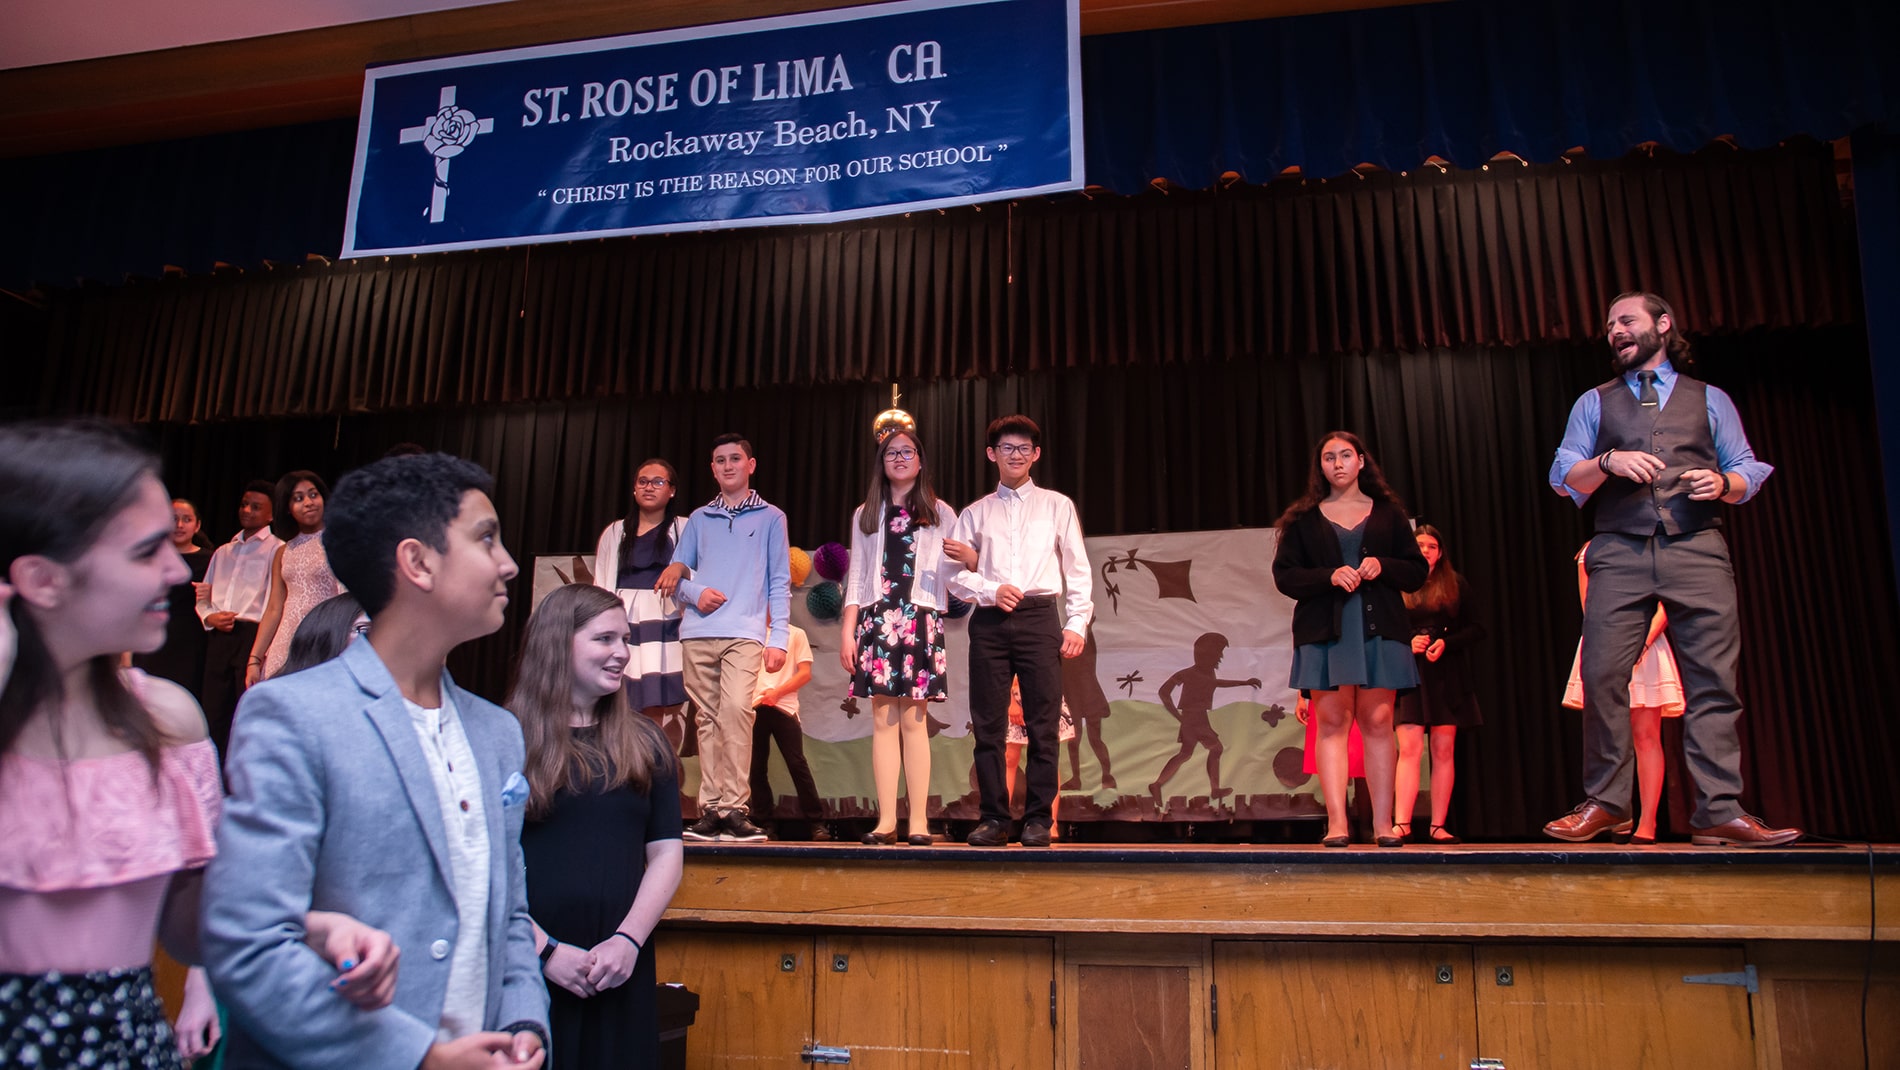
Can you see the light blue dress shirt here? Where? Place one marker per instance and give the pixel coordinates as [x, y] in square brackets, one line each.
[1732, 451]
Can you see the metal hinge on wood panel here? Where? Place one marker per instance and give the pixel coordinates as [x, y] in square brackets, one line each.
[1482, 1063]
[820, 1053]
[1052, 1004]
[1213, 1008]
[1745, 978]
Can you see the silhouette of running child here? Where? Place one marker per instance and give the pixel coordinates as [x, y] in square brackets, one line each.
[1197, 683]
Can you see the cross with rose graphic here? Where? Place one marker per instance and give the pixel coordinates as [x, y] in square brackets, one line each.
[445, 134]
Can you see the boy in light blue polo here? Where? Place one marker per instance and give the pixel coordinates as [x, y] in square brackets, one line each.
[735, 612]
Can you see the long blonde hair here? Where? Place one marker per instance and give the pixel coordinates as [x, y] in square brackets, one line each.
[629, 748]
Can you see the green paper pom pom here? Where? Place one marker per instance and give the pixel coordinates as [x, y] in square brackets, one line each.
[825, 601]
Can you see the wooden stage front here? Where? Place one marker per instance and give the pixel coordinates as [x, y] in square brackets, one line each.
[1243, 956]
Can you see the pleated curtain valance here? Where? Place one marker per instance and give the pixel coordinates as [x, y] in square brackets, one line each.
[1510, 256]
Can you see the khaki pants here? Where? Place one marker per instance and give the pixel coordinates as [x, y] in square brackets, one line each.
[720, 676]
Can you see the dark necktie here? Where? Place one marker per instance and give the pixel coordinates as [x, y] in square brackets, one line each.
[1648, 398]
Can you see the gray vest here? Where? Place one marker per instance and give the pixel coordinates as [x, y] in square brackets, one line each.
[1678, 433]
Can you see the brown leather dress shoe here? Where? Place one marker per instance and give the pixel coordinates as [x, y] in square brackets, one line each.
[1744, 831]
[1586, 823]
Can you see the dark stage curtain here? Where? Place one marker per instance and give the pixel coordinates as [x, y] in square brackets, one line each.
[1466, 436]
[1393, 263]
[1388, 86]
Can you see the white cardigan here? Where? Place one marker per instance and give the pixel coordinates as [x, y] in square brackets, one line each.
[931, 586]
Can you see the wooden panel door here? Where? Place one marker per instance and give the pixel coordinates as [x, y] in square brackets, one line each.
[936, 1002]
[1589, 1006]
[1134, 1002]
[1343, 1005]
[755, 996]
[1810, 1011]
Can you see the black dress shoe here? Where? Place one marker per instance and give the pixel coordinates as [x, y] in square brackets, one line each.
[1389, 841]
[883, 839]
[921, 839]
[1336, 841]
[991, 833]
[1035, 834]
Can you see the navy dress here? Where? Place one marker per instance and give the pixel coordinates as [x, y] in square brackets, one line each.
[1353, 659]
[585, 861]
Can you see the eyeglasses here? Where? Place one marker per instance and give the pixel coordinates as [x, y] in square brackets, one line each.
[902, 453]
[1009, 449]
[650, 481]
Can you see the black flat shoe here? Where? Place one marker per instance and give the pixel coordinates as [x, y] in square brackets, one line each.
[1448, 838]
[881, 839]
[1336, 841]
[990, 833]
[1390, 841]
[1642, 841]
[921, 839]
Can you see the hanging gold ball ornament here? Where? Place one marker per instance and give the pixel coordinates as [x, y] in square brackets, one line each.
[893, 419]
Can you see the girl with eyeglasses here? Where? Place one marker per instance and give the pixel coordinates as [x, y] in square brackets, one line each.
[631, 555]
[893, 642]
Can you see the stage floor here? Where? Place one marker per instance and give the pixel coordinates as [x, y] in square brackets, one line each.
[1801, 892]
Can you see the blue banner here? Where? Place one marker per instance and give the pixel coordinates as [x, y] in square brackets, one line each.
[800, 119]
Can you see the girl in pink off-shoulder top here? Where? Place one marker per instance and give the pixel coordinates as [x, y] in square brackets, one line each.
[109, 790]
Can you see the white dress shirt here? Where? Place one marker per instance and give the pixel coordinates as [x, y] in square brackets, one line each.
[239, 576]
[1028, 537]
[458, 788]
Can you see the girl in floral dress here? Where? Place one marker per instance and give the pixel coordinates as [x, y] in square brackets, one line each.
[895, 600]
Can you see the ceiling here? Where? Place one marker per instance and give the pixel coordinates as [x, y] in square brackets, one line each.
[60, 31]
[78, 74]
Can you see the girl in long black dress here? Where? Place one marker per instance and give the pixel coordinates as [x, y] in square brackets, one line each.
[602, 838]
[1444, 625]
[182, 659]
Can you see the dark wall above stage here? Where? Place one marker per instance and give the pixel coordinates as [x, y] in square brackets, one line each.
[1325, 92]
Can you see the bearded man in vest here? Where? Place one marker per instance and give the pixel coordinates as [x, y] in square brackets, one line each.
[1658, 453]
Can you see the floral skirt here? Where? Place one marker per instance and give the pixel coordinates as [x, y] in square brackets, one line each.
[110, 1019]
[900, 653]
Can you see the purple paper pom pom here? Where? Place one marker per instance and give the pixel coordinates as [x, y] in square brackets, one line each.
[832, 560]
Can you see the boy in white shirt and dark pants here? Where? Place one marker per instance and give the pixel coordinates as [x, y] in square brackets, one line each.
[1027, 571]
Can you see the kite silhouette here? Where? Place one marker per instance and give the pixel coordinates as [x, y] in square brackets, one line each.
[1171, 577]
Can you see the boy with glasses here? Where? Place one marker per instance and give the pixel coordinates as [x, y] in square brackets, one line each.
[1027, 571]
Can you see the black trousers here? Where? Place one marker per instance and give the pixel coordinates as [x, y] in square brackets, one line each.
[772, 723]
[226, 655]
[1025, 644]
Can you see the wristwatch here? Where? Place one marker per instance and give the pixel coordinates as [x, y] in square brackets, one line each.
[547, 949]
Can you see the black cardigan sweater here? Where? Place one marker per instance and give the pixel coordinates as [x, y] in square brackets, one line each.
[1309, 552]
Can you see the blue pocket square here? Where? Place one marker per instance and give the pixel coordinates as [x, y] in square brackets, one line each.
[515, 792]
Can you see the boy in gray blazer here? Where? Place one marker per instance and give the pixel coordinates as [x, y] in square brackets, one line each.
[374, 786]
